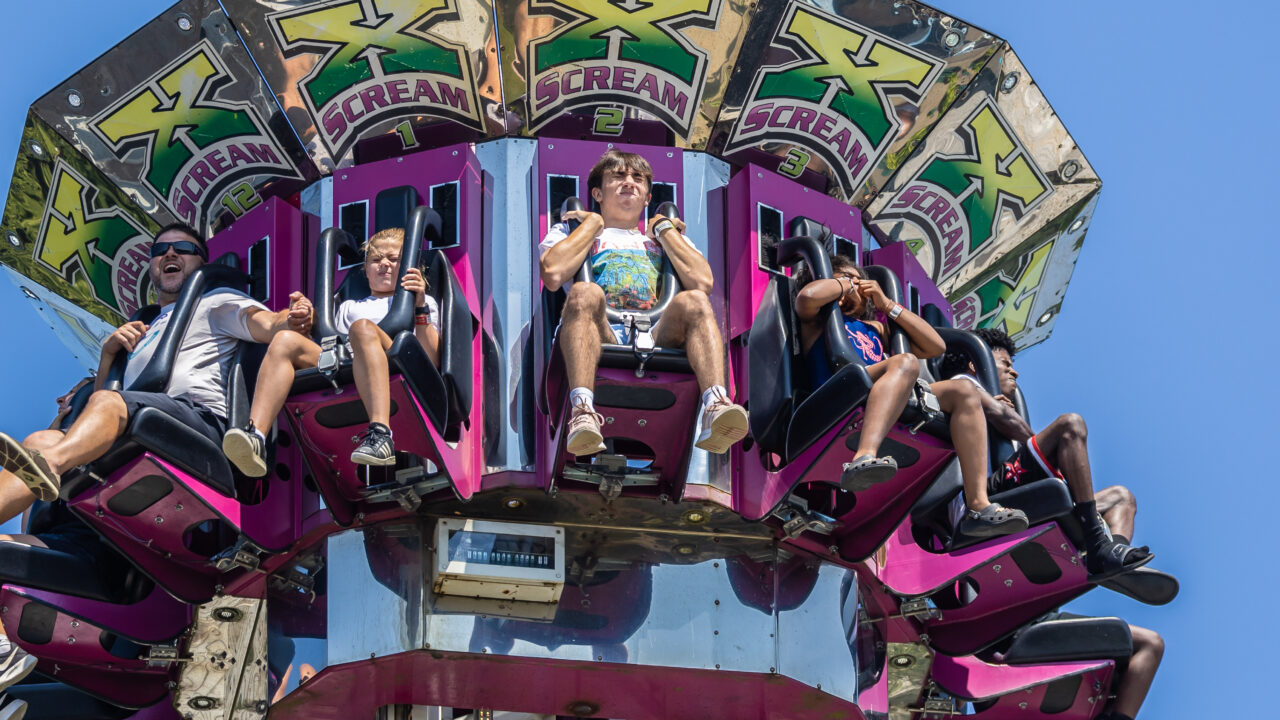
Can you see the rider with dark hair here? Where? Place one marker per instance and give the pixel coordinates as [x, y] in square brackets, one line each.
[1060, 450]
[626, 267]
[893, 376]
[196, 392]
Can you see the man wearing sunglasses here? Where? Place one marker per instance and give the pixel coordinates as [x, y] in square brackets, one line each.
[196, 395]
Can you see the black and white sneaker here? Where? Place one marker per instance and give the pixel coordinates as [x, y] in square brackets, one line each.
[15, 663]
[12, 708]
[246, 451]
[375, 446]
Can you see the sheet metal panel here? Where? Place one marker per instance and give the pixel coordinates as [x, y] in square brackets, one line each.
[997, 179]
[841, 92]
[179, 118]
[73, 232]
[583, 68]
[424, 71]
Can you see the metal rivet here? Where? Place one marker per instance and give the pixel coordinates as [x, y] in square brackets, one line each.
[177, 506]
[13, 238]
[951, 39]
[159, 520]
[1010, 82]
[642, 422]
[184, 22]
[1076, 225]
[71, 640]
[996, 567]
[74, 99]
[1008, 583]
[1069, 169]
[1046, 317]
[36, 149]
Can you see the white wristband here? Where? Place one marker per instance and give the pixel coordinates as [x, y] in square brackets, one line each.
[895, 312]
[662, 227]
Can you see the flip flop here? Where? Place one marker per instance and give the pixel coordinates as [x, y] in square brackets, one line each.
[30, 467]
[993, 520]
[867, 470]
[1116, 558]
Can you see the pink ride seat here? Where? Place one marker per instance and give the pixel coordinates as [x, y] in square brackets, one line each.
[430, 406]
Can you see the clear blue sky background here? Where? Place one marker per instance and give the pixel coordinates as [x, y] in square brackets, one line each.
[1165, 339]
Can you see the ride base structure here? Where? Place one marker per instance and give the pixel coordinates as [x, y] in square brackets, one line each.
[490, 569]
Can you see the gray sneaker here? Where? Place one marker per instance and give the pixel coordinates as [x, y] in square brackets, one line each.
[246, 451]
[12, 708]
[15, 663]
[375, 446]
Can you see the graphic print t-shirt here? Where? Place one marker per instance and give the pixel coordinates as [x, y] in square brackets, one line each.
[625, 263]
[865, 340]
[218, 325]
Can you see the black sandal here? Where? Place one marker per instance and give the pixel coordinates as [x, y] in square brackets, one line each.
[867, 470]
[1116, 558]
[993, 520]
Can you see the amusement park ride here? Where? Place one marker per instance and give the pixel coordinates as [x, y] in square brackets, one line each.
[489, 569]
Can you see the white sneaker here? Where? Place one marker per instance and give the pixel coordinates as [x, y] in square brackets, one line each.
[723, 424]
[585, 437]
[15, 664]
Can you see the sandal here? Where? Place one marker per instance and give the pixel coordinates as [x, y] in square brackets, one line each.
[1116, 558]
[994, 519]
[867, 470]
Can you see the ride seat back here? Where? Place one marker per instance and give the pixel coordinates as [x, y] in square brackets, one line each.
[771, 351]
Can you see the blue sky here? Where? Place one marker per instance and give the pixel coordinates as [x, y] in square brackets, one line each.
[1163, 341]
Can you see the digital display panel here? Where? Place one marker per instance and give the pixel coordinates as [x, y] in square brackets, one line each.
[501, 549]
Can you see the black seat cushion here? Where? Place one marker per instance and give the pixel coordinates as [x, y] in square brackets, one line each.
[663, 359]
[825, 408]
[153, 430]
[82, 566]
[1070, 639]
[1042, 501]
[57, 701]
[191, 451]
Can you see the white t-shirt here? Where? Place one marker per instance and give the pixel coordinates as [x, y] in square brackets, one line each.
[373, 309]
[218, 325]
[625, 263]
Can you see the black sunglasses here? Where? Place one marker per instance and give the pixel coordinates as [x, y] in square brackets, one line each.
[182, 247]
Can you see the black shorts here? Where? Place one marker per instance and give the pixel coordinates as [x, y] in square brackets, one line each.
[1024, 466]
[75, 538]
[195, 416]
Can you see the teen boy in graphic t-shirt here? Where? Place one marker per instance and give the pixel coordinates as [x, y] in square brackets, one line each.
[626, 266]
